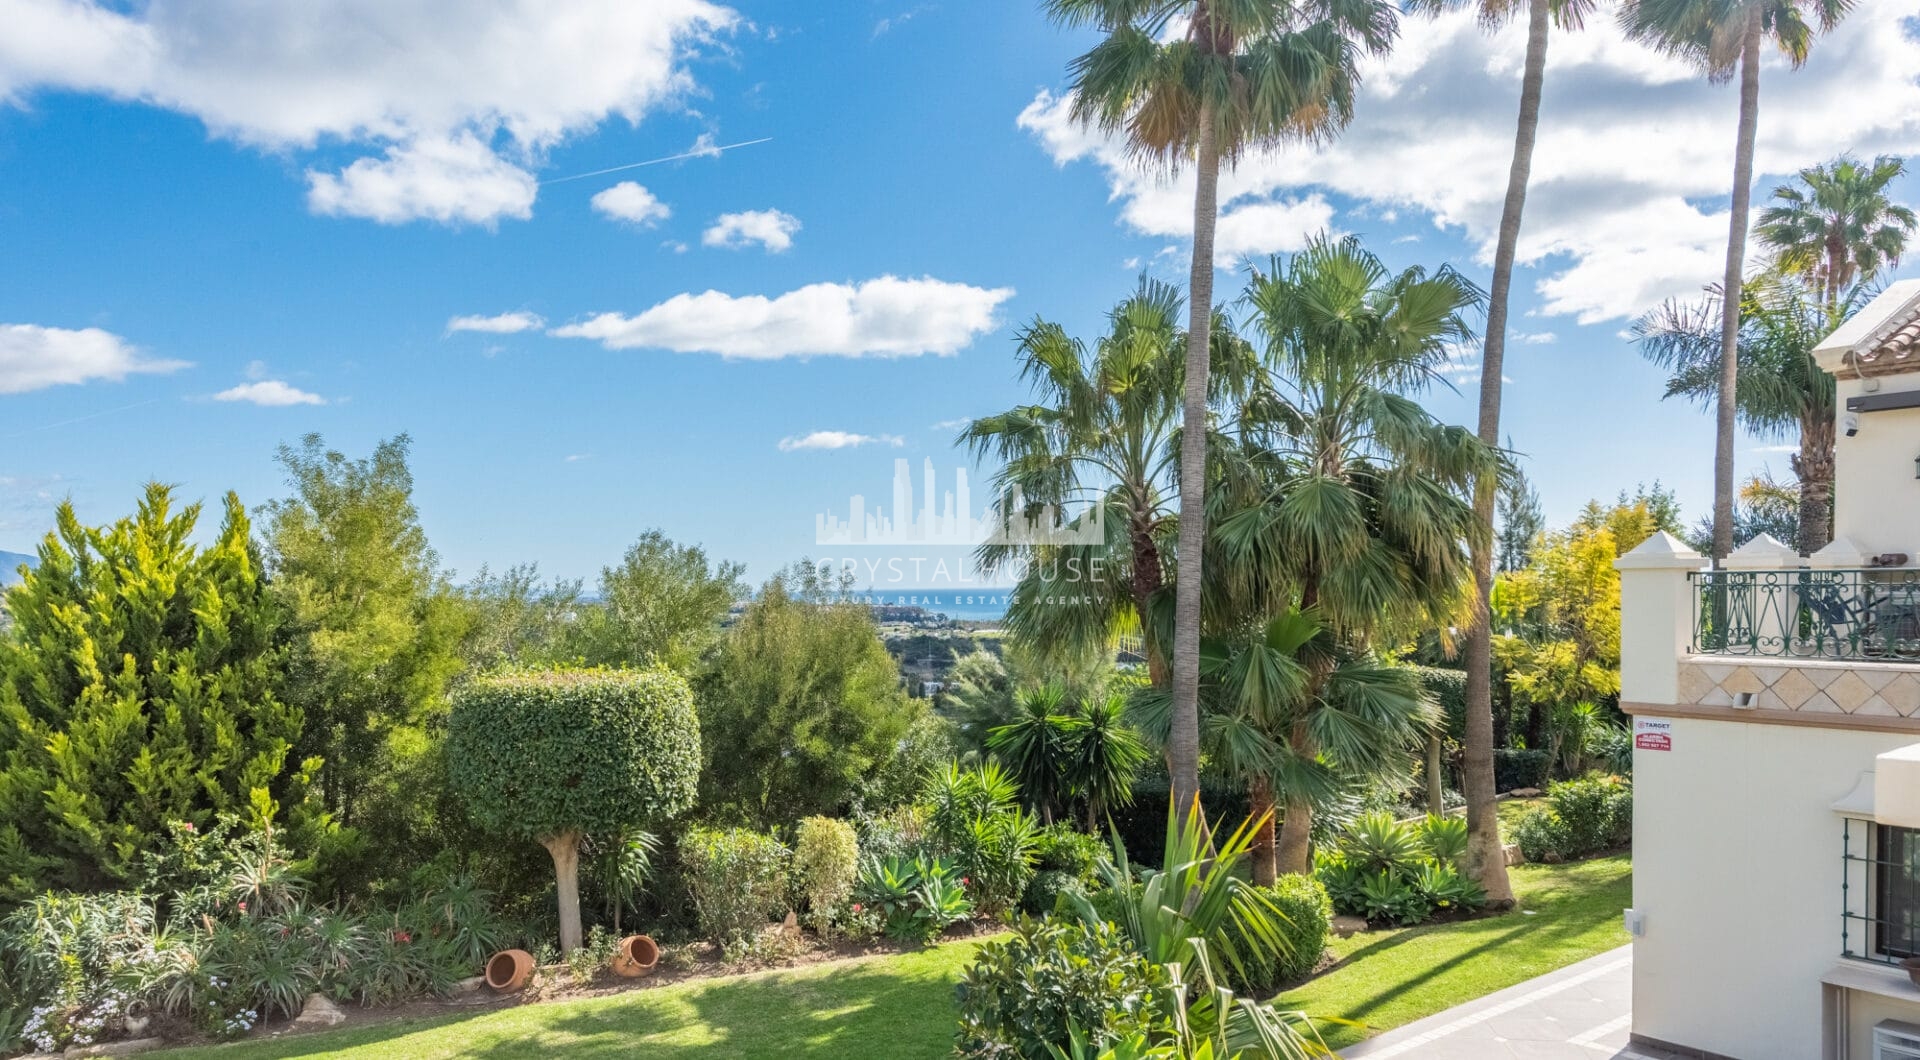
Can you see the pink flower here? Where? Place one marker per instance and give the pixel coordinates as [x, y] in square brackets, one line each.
[401, 936]
[964, 881]
[243, 907]
[856, 907]
[186, 826]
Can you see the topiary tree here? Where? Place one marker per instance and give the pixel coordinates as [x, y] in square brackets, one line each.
[554, 755]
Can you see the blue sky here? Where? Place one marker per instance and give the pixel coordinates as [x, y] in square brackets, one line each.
[296, 211]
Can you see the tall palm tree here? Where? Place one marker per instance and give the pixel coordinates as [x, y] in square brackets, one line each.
[1101, 432]
[1483, 824]
[1203, 81]
[1724, 38]
[1354, 501]
[1836, 226]
[1783, 393]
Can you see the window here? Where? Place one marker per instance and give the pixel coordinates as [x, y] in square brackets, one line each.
[1880, 887]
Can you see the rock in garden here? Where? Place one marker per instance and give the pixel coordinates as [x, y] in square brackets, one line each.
[1346, 926]
[472, 985]
[319, 1012]
[1526, 793]
[122, 1048]
[1512, 852]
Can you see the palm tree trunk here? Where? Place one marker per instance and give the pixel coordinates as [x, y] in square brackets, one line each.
[1485, 859]
[1183, 744]
[1730, 289]
[1147, 580]
[1260, 804]
[1814, 467]
[1296, 828]
[1436, 784]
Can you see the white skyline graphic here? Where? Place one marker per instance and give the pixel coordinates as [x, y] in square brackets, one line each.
[948, 519]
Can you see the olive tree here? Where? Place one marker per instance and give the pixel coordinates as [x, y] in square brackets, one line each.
[556, 755]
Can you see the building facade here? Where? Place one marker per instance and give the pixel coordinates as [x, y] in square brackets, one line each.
[1776, 712]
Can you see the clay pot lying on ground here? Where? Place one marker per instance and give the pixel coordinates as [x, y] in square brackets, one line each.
[636, 956]
[508, 970]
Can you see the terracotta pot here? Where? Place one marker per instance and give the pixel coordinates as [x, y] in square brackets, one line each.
[636, 956]
[508, 970]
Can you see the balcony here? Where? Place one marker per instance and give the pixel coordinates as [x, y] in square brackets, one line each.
[1866, 614]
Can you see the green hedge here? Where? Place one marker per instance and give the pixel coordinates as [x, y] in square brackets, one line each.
[738, 880]
[1516, 768]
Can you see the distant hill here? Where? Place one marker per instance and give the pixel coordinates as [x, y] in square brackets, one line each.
[10, 564]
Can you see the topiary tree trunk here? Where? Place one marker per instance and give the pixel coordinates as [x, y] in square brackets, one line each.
[565, 849]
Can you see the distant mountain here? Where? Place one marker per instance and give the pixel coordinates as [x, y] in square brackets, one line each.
[10, 566]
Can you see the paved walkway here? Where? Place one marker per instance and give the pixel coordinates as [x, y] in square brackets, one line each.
[1581, 1012]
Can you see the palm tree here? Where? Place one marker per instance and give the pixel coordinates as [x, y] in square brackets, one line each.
[1101, 432]
[1258, 691]
[1103, 754]
[1836, 227]
[1204, 81]
[1035, 747]
[1783, 393]
[1484, 855]
[1353, 501]
[1724, 37]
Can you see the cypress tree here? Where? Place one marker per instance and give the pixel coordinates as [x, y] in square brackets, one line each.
[139, 686]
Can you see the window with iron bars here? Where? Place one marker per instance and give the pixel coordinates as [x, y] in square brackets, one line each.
[1879, 891]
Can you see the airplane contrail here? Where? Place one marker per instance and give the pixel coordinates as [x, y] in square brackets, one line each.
[698, 153]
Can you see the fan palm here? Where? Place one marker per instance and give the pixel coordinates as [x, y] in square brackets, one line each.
[1284, 708]
[1349, 498]
[1836, 227]
[1478, 772]
[1102, 433]
[1724, 38]
[1782, 393]
[1204, 81]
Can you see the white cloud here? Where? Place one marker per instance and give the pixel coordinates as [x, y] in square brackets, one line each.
[837, 440]
[34, 357]
[272, 393]
[1630, 176]
[1536, 338]
[574, 458]
[769, 228]
[885, 317]
[454, 181]
[632, 202]
[952, 425]
[498, 324]
[453, 112]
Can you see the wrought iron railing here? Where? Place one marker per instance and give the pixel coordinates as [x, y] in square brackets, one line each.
[1871, 613]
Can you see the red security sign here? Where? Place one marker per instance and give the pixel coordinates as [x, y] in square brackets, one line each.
[1653, 741]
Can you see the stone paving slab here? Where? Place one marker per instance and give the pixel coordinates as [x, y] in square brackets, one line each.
[1581, 1012]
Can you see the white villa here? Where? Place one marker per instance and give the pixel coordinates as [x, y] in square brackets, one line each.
[1776, 709]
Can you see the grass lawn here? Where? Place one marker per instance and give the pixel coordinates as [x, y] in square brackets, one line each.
[895, 1005]
[901, 1005]
[1386, 979]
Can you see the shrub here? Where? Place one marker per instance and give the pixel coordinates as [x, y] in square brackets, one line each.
[1045, 890]
[1518, 768]
[1542, 835]
[826, 859]
[1342, 880]
[551, 755]
[898, 833]
[738, 880]
[1307, 914]
[1061, 849]
[1024, 996]
[1443, 838]
[973, 821]
[1597, 812]
[914, 901]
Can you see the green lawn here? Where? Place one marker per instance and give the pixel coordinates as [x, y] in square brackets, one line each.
[1386, 979]
[901, 1006]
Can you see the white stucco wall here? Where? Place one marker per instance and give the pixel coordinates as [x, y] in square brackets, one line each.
[1736, 857]
[1876, 496]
